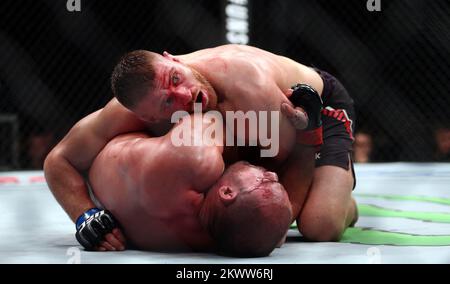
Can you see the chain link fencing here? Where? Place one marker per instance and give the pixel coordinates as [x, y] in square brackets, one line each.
[55, 63]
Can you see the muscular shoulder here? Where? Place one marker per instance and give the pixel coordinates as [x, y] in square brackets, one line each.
[202, 161]
[266, 68]
[206, 164]
[248, 75]
[196, 167]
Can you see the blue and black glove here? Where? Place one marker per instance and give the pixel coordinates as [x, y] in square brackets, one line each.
[92, 227]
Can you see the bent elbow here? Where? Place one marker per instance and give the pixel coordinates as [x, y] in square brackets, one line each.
[51, 161]
[48, 162]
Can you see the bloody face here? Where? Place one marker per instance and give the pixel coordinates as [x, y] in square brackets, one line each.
[249, 177]
[176, 88]
[247, 212]
[247, 181]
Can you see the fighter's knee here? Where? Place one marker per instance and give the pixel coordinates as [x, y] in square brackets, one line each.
[322, 228]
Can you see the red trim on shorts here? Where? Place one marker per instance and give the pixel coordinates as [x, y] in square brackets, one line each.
[341, 115]
[312, 138]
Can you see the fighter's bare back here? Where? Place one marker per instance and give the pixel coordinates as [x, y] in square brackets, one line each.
[156, 190]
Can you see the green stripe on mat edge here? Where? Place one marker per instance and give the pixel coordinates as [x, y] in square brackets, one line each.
[371, 210]
[370, 236]
[375, 211]
[374, 237]
[437, 200]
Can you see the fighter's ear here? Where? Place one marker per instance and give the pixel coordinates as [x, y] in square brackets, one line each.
[170, 56]
[227, 194]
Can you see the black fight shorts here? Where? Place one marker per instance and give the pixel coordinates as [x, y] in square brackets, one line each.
[338, 119]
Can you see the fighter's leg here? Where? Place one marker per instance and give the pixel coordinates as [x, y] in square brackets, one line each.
[296, 175]
[329, 208]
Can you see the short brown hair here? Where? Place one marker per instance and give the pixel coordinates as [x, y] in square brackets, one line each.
[253, 224]
[251, 232]
[132, 77]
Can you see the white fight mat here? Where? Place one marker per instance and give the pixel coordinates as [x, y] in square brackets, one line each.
[404, 218]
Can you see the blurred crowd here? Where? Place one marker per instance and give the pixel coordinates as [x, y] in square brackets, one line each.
[55, 65]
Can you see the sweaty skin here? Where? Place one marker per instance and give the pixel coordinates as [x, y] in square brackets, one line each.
[243, 78]
[156, 190]
[174, 198]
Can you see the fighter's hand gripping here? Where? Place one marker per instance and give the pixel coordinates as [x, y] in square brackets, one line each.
[306, 116]
[98, 230]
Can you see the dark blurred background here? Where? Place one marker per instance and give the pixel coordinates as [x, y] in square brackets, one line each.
[55, 64]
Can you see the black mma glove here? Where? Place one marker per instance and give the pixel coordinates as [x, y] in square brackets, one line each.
[92, 227]
[306, 97]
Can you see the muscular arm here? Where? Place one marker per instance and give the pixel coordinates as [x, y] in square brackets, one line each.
[207, 167]
[204, 163]
[260, 84]
[297, 162]
[297, 176]
[76, 152]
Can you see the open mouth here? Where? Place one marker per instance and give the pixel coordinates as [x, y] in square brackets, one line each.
[201, 99]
